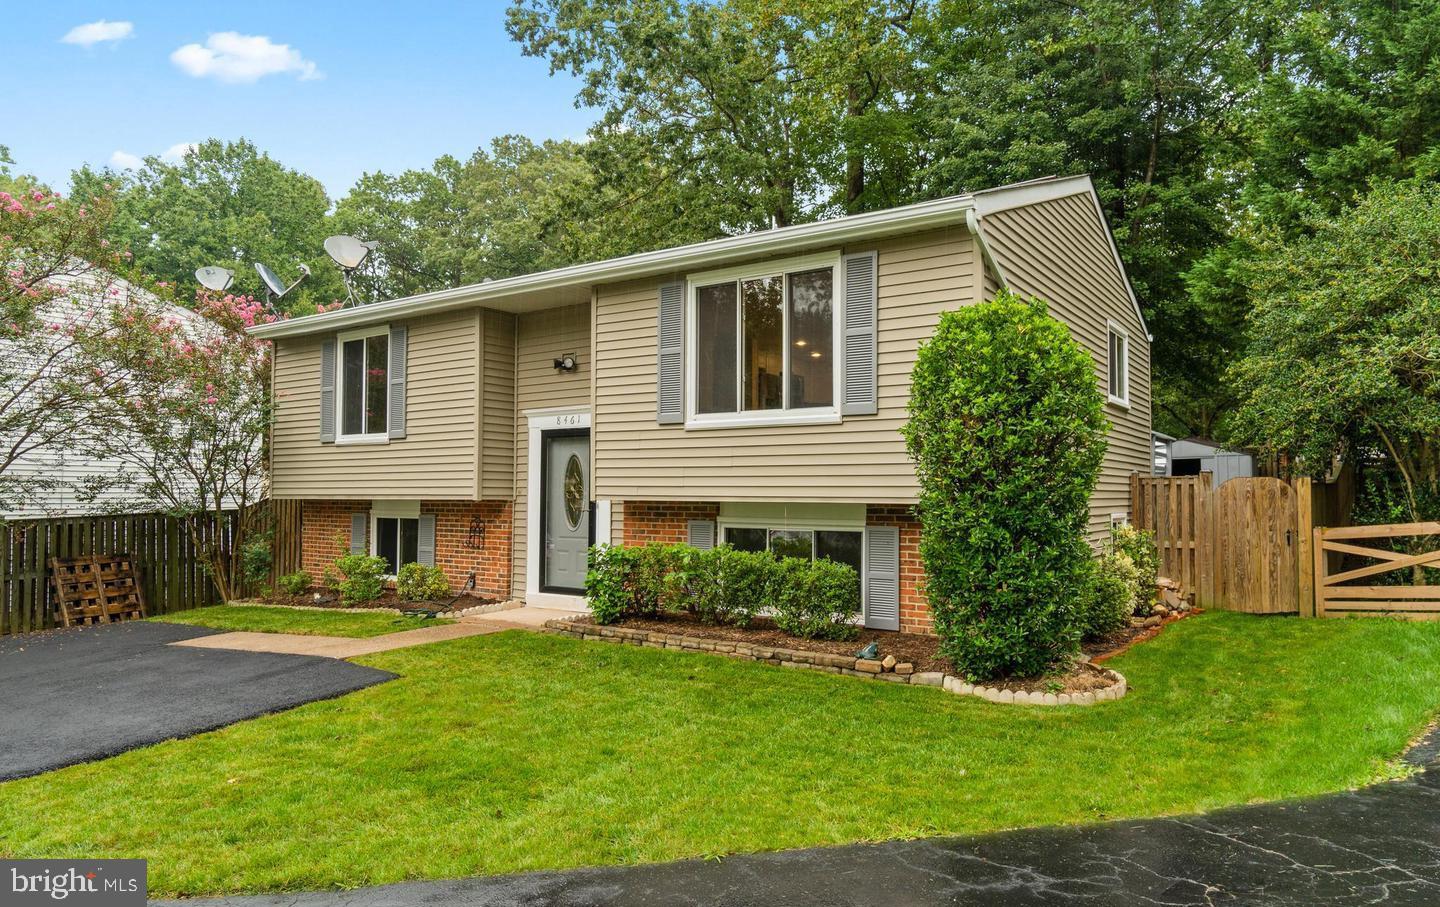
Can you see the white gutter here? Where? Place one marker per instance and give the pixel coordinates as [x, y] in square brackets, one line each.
[940, 212]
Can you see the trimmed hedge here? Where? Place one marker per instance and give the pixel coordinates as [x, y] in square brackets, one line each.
[1007, 432]
[818, 600]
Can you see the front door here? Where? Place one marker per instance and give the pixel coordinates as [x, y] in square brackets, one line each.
[565, 524]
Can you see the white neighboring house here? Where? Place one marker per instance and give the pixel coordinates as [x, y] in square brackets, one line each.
[68, 469]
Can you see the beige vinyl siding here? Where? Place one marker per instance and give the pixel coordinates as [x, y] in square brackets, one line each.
[862, 458]
[540, 338]
[436, 459]
[497, 406]
[1058, 251]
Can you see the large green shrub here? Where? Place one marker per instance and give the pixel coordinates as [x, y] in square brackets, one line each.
[421, 583]
[1007, 433]
[816, 600]
[361, 578]
[1139, 546]
[1107, 598]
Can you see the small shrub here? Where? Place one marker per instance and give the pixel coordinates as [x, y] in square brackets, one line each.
[816, 600]
[1139, 546]
[255, 560]
[658, 578]
[295, 583]
[607, 582]
[421, 583]
[362, 577]
[730, 587]
[1106, 599]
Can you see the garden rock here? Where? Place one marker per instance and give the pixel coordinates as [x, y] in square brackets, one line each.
[888, 662]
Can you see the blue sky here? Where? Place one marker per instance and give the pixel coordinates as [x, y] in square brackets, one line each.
[338, 89]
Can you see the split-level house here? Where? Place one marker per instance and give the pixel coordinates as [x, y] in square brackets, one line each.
[747, 390]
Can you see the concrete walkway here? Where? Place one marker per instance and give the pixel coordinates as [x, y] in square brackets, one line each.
[350, 647]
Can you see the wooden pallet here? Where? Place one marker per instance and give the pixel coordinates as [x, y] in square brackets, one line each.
[96, 589]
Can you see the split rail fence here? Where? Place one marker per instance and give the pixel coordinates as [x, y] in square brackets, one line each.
[1337, 593]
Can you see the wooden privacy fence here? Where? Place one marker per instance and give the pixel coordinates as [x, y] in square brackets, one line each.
[285, 538]
[1244, 546]
[159, 545]
[1336, 594]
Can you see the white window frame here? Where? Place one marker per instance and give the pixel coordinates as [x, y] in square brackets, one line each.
[391, 510]
[1123, 398]
[340, 341]
[813, 415]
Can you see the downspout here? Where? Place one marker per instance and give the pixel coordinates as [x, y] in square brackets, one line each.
[972, 220]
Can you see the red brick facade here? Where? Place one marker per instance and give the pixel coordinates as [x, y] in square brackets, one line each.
[663, 521]
[667, 521]
[325, 535]
[914, 606]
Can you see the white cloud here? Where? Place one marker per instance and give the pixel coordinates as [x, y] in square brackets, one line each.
[93, 33]
[124, 160]
[232, 57]
[177, 152]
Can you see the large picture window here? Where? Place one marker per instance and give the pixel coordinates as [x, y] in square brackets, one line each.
[364, 367]
[763, 342]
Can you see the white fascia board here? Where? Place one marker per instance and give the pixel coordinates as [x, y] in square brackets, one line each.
[925, 215]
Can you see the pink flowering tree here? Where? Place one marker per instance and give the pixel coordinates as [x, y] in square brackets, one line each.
[188, 419]
[59, 282]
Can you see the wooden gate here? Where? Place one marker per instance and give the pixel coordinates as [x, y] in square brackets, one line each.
[1244, 546]
[1257, 546]
[1336, 594]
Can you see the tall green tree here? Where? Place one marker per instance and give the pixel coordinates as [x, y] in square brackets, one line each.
[515, 208]
[227, 204]
[753, 111]
[1344, 352]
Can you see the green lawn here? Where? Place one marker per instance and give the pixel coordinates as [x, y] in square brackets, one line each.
[518, 751]
[259, 619]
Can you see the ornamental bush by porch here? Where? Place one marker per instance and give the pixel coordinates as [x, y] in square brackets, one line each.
[1007, 433]
[421, 583]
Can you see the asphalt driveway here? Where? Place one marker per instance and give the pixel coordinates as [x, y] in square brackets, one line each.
[87, 693]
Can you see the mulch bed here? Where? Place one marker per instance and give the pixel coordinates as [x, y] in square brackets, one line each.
[920, 650]
[387, 599]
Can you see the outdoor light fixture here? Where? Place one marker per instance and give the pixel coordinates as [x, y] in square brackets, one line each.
[565, 363]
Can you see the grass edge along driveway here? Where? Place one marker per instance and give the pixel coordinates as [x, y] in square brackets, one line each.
[518, 751]
[303, 621]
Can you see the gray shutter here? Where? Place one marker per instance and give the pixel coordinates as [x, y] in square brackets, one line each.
[882, 577]
[700, 533]
[359, 528]
[425, 547]
[670, 357]
[861, 347]
[399, 339]
[327, 390]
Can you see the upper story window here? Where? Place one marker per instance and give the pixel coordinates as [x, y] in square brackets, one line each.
[362, 389]
[1119, 365]
[762, 343]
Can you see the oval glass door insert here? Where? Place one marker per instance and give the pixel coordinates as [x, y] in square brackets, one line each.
[574, 491]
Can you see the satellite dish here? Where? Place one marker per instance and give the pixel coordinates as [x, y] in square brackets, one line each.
[348, 252]
[274, 286]
[215, 278]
